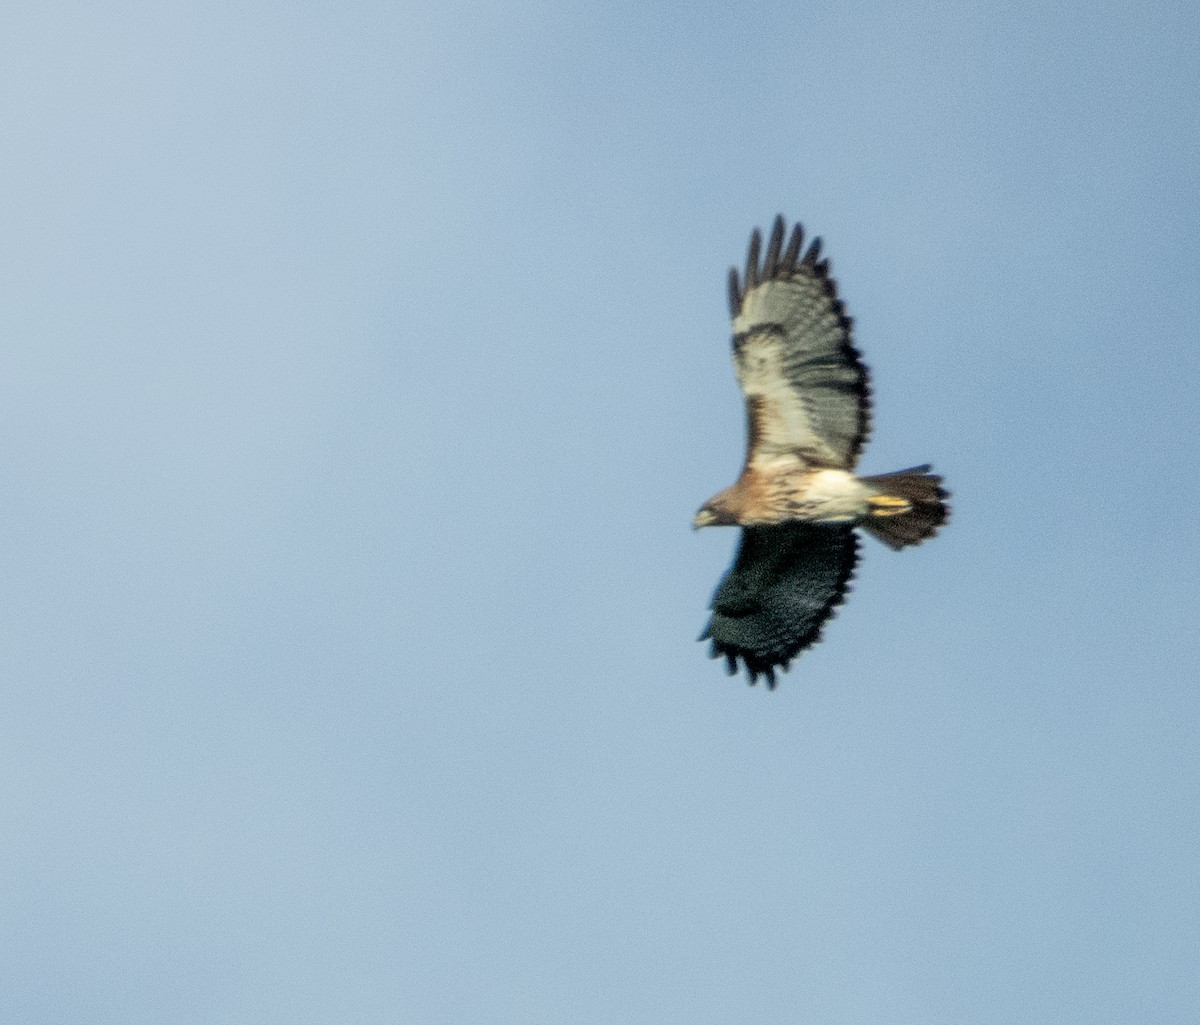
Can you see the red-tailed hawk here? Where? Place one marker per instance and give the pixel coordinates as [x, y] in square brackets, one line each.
[797, 499]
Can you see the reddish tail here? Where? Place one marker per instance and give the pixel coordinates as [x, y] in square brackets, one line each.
[909, 506]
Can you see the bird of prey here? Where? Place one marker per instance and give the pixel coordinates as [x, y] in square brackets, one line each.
[797, 499]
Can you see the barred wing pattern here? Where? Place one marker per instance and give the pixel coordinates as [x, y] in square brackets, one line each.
[806, 388]
[784, 584]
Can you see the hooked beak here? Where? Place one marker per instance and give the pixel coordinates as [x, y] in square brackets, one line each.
[704, 518]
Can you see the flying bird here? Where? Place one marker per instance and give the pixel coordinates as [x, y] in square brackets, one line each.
[797, 499]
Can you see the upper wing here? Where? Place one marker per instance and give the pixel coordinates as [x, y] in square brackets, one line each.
[785, 582]
[806, 388]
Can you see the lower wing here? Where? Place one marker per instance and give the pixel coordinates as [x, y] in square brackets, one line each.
[783, 585]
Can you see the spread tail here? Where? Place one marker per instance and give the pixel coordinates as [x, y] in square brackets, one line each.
[908, 506]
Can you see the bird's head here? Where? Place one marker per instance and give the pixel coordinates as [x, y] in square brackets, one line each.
[714, 513]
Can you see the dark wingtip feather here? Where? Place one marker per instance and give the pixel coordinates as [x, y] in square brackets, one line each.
[735, 293]
[752, 277]
[777, 262]
[788, 264]
[771, 263]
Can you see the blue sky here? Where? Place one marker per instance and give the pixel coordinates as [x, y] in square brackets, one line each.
[361, 368]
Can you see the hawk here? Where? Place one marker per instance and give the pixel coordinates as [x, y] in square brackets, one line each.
[797, 498]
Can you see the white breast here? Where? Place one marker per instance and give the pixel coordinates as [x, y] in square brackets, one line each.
[836, 496]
